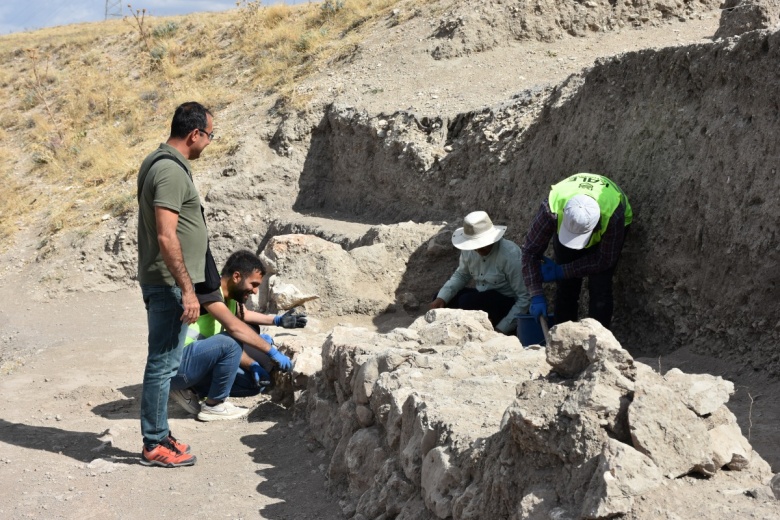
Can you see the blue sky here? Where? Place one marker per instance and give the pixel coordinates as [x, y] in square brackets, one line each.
[23, 15]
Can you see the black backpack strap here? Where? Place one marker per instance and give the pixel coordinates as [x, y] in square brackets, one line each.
[159, 158]
[212, 281]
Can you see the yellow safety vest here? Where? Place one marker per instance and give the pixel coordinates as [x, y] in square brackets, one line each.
[604, 191]
[207, 325]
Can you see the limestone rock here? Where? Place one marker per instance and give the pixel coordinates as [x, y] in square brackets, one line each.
[364, 381]
[533, 418]
[364, 416]
[729, 447]
[305, 354]
[775, 485]
[565, 353]
[364, 457]
[286, 296]
[721, 416]
[359, 281]
[622, 474]
[452, 326]
[741, 16]
[537, 504]
[438, 480]
[702, 393]
[603, 392]
[665, 430]
[575, 345]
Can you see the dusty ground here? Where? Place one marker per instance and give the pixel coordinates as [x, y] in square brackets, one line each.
[78, 375]
[394, 69]
[71, 367]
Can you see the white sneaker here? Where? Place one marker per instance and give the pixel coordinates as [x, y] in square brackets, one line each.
[187, 399]
[224, 411]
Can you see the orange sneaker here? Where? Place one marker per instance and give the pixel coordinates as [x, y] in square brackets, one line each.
[183, 448]
[166, 455]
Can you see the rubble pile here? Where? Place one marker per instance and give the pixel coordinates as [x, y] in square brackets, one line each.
[449, 419]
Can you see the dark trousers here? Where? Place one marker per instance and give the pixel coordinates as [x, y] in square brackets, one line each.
[495, 304]
[567, 292]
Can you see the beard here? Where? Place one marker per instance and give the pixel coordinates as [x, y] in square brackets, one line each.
[239, 295]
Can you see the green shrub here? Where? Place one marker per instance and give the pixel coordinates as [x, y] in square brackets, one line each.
[304, 43]
[331, 7]
[165, 30]
[158, 53]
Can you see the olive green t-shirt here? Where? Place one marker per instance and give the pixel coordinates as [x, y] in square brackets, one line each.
[168, 186]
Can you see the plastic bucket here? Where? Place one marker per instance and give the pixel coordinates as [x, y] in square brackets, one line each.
[529, 331]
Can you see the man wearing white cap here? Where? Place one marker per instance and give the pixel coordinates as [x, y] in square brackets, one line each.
[495, 264]
[587, 216]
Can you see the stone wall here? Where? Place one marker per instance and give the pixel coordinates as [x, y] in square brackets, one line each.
[448, 419]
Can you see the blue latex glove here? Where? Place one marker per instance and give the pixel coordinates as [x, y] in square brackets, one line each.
[551, 271]
[260, 377]
[283, 361]
[538, 306]
[268, 339]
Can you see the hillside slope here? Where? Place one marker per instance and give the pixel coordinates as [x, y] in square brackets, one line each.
[658, 122]
[385, 135]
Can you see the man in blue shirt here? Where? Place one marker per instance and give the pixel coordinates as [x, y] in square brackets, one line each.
[495, 264]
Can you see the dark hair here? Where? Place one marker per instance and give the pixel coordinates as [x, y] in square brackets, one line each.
[243, 261]
[188, 117]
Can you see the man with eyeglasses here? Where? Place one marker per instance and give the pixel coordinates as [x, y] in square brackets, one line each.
[172, 244]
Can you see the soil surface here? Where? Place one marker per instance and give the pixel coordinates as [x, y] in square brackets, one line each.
[71, 366]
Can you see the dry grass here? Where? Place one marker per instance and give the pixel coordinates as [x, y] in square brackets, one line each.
[79, 111]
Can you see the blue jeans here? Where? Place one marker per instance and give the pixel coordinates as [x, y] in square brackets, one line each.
[166, 339]
[244, 385]
[209, 367]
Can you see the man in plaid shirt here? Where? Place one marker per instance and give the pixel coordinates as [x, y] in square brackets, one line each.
[587, 216]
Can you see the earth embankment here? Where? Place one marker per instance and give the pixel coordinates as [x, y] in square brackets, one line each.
[687, 132]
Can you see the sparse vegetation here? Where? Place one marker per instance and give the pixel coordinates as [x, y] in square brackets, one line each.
[81, 111]
[165, 30]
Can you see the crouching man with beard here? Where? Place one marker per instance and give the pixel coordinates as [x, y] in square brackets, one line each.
[223, 356]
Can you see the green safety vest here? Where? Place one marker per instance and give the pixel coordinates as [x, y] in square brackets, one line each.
[207, 325]
[608, 195]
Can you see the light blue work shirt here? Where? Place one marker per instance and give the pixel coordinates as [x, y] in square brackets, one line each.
[501, 270]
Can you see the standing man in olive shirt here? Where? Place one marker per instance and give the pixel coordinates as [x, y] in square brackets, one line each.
[172, 242]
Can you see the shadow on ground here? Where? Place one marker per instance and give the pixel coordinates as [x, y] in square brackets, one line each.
[294, 468]
[81, 446]
[131, 406]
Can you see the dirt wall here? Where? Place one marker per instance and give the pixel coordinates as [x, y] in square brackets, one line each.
[688, 132]
[477, 26]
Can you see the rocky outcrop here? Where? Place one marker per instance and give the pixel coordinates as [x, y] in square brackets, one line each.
[740, 16]
[469, 27]
[367, 279]
[448, 419]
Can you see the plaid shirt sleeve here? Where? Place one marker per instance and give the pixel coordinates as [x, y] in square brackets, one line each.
[543, 227]
[607, 252]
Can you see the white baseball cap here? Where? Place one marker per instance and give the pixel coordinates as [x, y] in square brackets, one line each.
[580, 217]
[477, 231]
